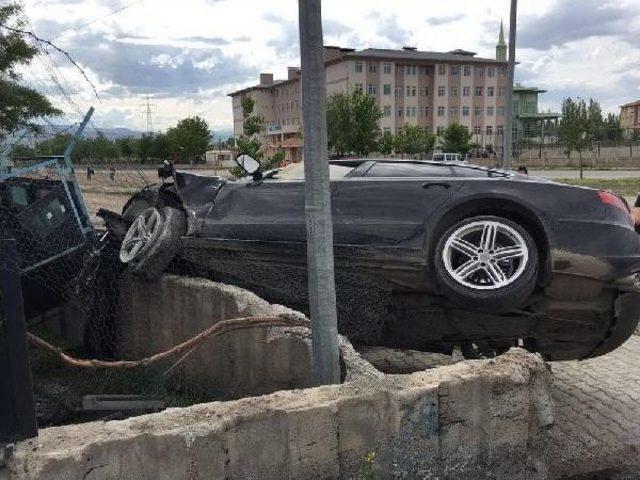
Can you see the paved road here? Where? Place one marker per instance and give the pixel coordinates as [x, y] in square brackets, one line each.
[597, 416]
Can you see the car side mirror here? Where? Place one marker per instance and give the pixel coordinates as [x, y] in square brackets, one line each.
[249, 165]
[166, 170]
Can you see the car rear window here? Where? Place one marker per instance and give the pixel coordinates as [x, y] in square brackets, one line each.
[398, 169]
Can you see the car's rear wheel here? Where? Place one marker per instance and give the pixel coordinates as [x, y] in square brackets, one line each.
[488, 263]
[152, 241]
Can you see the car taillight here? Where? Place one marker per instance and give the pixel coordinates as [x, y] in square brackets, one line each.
[609, 198]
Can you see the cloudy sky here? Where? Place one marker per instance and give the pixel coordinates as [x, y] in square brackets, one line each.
[188, 54]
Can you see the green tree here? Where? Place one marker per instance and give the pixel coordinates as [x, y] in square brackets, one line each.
[612, 131]
[386, 143]
[415, 140]
[20, 106]
[352, 123]
[160, 147]
[456, 138]
[189, 139]
[142, 148]
[125, 148]
[574, 129]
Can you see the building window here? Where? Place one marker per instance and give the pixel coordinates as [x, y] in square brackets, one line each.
[453, 111]
[501, 111]
[516, 107]
[466, 91]
[408, 91]
[399, 111]
[442, 69]
[490, 111]
[426, 91]
[491, 72]
[441, 91]
[359, 87]
[489, 91]
[465, 111]
[501, 71]
[426, 111]
[386, 89]
[373, 67]
[499, 129]
[409, 69]
[413, 111]
[398, 92]
[453, 91]
[373, 89]
[478, 91]
[466, 70]
[387, 111]
[439, 130]
[500, 91]
[477, 130]
[358, 67]
[386, 68]
[408, 112]
[489, 130]
[441, 111]
[455, 69]
[477, 111]
[421, 111]
[424, 70]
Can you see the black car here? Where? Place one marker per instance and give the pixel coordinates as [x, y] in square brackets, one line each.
[428, 255]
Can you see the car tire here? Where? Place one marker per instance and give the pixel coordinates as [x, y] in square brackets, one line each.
[502, 275]
[166, 226]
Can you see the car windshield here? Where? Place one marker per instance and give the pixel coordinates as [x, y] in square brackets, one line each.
[295, 171]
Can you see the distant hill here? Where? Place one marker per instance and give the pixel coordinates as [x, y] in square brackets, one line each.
[49, 131]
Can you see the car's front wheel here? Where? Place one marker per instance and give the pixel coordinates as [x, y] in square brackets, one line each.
[488, 263]
[153, 240]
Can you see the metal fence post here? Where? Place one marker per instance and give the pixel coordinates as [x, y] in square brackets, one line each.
[17, 409]
[322, 292]
[508, 134]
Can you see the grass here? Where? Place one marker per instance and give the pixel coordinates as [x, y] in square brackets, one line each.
[626, 186]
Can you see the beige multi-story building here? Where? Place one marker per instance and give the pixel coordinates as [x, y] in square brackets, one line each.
[411, 87]
[630, 115]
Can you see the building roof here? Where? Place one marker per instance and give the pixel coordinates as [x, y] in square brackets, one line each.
[630, 104]
[461, 56]
[501, 42]
[521, 88]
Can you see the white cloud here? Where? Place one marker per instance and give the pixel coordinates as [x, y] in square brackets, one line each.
[213, 47]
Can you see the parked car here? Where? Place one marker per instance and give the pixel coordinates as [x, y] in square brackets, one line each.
[448, 157]
[428, 255]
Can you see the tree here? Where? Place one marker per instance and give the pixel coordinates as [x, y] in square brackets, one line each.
[386, 143]
[142, 147]
[189, 139]
[19, 105]
[160, 147]
[352, 123]
[414, 140]
[456, 138]
[574, 127]
[125, 147]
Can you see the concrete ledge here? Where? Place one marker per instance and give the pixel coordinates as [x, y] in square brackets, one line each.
[479, 419]
[156, 316]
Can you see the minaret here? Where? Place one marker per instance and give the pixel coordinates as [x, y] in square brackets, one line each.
[501, 47]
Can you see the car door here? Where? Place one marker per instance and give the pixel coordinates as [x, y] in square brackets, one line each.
[269, 210]
[391, 203]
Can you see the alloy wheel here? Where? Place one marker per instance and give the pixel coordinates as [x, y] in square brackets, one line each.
[145, 227]
[485, 255]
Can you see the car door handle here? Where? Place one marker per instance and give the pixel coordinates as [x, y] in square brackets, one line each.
[436, 184]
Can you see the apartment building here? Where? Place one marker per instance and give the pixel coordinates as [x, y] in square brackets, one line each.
[411, 87]
[630, 116]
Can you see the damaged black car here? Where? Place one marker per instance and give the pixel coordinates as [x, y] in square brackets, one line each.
[428, 255]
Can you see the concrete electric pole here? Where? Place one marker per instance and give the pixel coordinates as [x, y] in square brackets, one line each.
[507, 150]
[322, 291]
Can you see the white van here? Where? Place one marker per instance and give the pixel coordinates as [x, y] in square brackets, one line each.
[448, 157]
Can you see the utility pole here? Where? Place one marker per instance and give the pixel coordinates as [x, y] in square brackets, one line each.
[147, 110]
[507, 150]
[322, 290]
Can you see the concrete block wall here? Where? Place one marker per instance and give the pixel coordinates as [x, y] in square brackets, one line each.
[478, 419]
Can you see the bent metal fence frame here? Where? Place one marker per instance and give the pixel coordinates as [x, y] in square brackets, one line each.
[47, 203]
